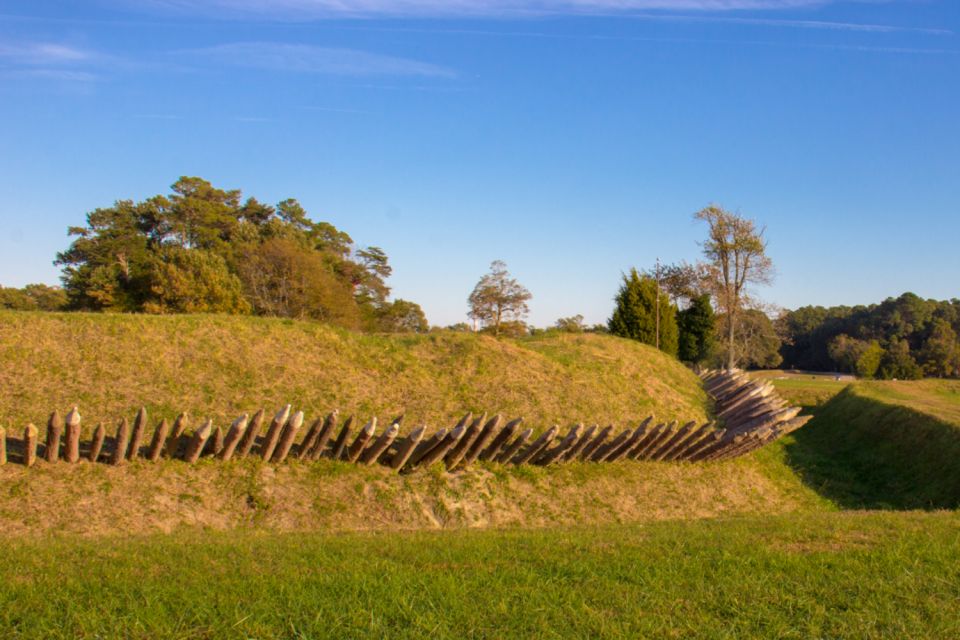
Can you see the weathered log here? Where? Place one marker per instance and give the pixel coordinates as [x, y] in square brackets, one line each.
[326, 432]
[372, 453]
[3, 446]
[273, 432]
[310, 439]
[288, 436]
[690, 453]
[483, 440]
[581, 442]
[716, 444]
[159, 439]
[406, 448]
[356, 448]
[136, 435]
[172, 450]
[537, 446]
[30, 436]
[681, 434]
[500, 440]
[441, 449]
[71, 451]
[693, 434]
[234, 435]
[250, 434]
[214, 443]
[726, 446]
[472, 432]
[120, 443]
[549, 456]
[340, 446]
[767, 419]
[511, 449]
[594, 444]
[197, 442]
[96, 442]
[602, 452]
[54, 433]
[625, 448]
[658, 439]
[651, 432]
[426, 446]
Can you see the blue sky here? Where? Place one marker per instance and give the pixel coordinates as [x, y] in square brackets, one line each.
[571, 139]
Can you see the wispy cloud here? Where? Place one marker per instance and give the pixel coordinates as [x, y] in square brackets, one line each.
[300, 58]
[381, 8]
[48, 61]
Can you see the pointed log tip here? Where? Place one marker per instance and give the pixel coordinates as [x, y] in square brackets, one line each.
[73, 418]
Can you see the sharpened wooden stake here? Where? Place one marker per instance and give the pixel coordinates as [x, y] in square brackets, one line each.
[273, 432]
[374, 451]
[425, 447]
[172, 450]
[511, 450]
[578, 446]
[197, 442]
[320, 446]
[136, 436]
[250, 435]
[549, 456]
[602, 453]
[237, 429]
[500, 440]
[442, 447]
[483, 440]
[405, 450]
[215, 443]
[310, 439]
[29, 445]
[595, 444]
[356, 448]
[289, 435]
[96, 442]
[71, 451]
[3, 446]
[340, 446]
[537, 446]
[158, 440]
[54, 433]
[457, 451]
[120, 443]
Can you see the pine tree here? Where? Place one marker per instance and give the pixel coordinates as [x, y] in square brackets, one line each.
[697, 326]
[635, 315]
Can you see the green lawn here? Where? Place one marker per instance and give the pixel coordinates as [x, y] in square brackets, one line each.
[830, 575]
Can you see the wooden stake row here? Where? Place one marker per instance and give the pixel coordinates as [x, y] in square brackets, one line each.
[752, 416]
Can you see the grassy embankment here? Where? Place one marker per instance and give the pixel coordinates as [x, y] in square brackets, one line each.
[723, 565]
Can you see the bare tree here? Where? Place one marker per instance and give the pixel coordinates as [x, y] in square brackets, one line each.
[736, 258]
[498, 297]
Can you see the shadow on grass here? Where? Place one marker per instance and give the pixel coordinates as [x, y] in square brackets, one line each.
[863, 453]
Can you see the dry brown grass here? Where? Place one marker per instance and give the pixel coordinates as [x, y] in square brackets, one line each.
[221, 366]
[95, 500]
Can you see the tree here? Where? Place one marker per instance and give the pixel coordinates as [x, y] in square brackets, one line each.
[696, 325]
[635, 314]
[33, 297]
[403, 316]
[498, 298]
[736, 253]
[282, 278]
[573, 324]
[682, 281]
[860, 357]
[898, 363]
[940, 354]
[757, 346]
[193, 281]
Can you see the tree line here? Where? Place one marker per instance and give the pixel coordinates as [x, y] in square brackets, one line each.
[903, 338]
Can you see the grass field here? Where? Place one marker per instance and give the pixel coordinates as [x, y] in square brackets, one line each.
[840, 575]
[845, 529]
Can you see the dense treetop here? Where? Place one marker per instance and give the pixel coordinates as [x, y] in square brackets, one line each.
[204, 249]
